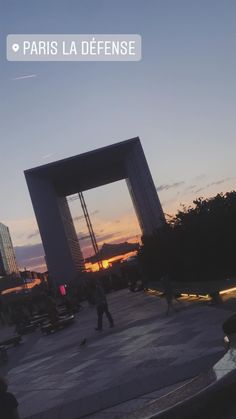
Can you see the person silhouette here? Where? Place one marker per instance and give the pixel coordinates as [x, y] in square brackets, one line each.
[8, 402]
[168, 293]
[101, 305]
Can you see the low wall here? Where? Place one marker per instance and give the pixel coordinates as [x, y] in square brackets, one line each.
[196, 287]
[210, 395]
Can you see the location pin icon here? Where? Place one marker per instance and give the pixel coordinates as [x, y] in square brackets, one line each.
[15, 47]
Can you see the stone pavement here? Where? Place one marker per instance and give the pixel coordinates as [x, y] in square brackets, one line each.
[145, 352]
[122, 410]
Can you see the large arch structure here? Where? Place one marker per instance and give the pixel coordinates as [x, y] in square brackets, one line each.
[51, 183]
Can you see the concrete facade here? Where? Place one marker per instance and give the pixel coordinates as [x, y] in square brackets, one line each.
[50, 184]
[8, 265]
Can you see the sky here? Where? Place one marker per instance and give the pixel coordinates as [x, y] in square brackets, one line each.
[180, 99]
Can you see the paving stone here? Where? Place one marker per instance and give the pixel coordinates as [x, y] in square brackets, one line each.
[145, 351]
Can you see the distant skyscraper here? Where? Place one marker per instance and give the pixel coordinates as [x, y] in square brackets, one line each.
[8, 264]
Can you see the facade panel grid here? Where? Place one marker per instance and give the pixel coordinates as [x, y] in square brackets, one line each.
[8, 264]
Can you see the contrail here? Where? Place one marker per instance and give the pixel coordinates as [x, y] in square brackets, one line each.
[28, 76]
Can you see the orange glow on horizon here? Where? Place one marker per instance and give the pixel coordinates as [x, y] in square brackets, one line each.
[94, 267]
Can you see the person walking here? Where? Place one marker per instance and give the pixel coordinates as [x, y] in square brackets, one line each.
[102, 306]
[168, 293]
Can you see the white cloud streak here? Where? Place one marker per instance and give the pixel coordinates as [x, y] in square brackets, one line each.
[27, 76]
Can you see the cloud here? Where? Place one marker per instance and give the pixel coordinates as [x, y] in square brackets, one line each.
[214, 183]
[86, 244]
[202, 176]
[167, 186]
[200, 189]
[81, 217]
[36, 258]
[112, 232]
[46, 156]
[88, 251]
[30, 252]
[108, 236]
[190, 187]
[29, 256]
[26, 76]
[218, 182]
[32, 235]
[100, 238]
[127, 238]
[21, 229]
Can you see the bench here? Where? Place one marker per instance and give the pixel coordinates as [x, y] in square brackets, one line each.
[13, 340]
[39, 317]
[60, 324]
[26, 329]
[39, 321]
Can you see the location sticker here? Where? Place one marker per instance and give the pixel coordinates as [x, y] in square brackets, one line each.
[15, 47]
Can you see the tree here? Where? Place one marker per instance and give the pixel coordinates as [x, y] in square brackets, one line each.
[198, 243]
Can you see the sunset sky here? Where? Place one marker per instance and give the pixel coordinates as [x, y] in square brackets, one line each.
[180, 99]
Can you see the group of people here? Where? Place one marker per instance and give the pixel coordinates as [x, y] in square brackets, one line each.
[99, 299]
[96, 296]
[8, 403]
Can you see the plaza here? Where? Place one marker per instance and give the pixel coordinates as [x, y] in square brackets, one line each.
[120, 369]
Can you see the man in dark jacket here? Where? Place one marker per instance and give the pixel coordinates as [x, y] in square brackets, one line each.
[102, 307]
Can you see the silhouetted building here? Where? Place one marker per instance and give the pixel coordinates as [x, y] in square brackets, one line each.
[49, 185]
[8, 264]
[26, 274]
